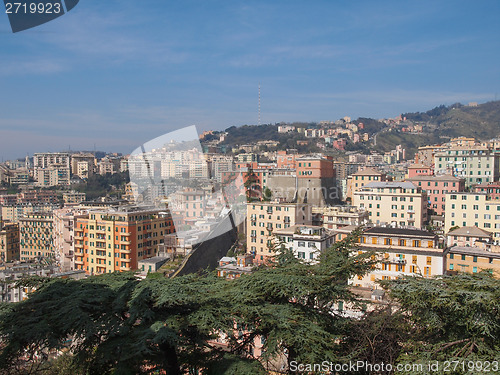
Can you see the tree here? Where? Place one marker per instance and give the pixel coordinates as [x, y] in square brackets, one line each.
[116, 324]
[452, 317]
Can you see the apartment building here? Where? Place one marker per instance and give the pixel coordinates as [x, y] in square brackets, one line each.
[36, 236]
[485, 257]
[16, 212]
[73, 197]
[64, 235]
[361, 178]
[50, 159]
[106, 166]
[116, 239]
[472, 209]
[316, 180]
[263, 218]
[83, 165]
[436, 188]
[476, 164]
[492, 189]
[398, 203]
[467, 236]
[399, 252]
[305, 241]
[9, 242]
[54, 175]
[334, 217]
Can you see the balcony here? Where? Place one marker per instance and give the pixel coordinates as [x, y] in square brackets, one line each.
[79, 245]
[79, 262]
[126, 251]
[78, 237]
[401, 262]
[125, 268]
[126, 242]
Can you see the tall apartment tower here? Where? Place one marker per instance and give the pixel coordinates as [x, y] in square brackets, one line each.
[116, 239]
[36, 237]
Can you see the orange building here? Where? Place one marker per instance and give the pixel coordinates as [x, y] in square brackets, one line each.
[9, 242]
[116, 239]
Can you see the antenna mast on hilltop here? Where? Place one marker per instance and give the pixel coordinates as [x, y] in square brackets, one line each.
[259, 103]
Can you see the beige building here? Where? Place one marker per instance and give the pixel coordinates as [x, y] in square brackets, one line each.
[472, 210]
[37, 236]
[334, 217]
[54, 175]
[263, 218]
[83, 165]
[361, 178]
[73, 197]
[15, 212]
[467, 236]
[9, 242]
[50, 159]
[397, 203]
[400, 252]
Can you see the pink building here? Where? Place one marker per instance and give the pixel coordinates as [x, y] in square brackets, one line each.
[492, 189]
[415, 170]
[437, 187]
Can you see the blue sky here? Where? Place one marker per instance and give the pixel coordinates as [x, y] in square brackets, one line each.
[117, 73]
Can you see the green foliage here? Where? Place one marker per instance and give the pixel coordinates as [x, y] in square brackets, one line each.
[452, 317]
[378, 337]
[117, 324]
[101, 185]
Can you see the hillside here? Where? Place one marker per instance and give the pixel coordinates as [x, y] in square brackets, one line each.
[482, 122]
[439, 124]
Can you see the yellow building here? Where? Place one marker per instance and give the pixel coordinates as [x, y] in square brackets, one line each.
[473, 259]
[472, 209]
[265, 217]
[399, 252]
[36, 236]
[398, 203]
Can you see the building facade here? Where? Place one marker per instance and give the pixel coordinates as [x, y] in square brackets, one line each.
[263, 218]
[37, 237]
[397, 203]
[116, 239]
[472, 210]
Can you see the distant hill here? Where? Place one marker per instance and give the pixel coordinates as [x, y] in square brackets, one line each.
[439, 124]
[482, 122]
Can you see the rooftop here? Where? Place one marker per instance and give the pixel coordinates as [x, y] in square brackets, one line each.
[368, 171]
[391, 184]
[400, 231]
[470, 231]
[444, 177]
